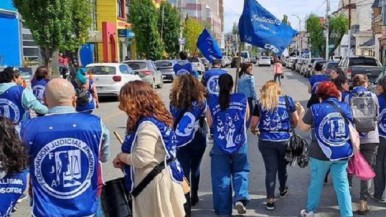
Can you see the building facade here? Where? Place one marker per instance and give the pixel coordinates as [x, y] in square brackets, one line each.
[210, 12]
[10, 37]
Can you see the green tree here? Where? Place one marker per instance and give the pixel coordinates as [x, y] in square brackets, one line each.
[48, 21]
[169, 27]
[56, 24]
[338, 26]
[192, 30]
[144, 16]
[285, 20]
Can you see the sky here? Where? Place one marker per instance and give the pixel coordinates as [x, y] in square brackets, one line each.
[301, 8]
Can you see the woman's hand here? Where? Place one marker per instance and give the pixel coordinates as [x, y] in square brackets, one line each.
[117, 163]
[299, 107]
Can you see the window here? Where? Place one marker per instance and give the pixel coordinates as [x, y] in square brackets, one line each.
[125, 69]
[121, 8]
[102, 70]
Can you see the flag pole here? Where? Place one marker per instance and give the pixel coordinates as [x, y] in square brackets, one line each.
[238, 66]
[195, 51]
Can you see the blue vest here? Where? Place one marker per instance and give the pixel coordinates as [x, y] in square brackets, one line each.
[12, 187]
[229, 131]
[90, 106]
[169, 140]
[315, 80]
[211, 80]
[38, 89]
[275, 125]
[11, 105]
[188, 124]
[382, 115]
[331, 130]
[183, 67]
[64, 151]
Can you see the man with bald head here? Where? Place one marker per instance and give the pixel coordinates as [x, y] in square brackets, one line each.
[65, 149]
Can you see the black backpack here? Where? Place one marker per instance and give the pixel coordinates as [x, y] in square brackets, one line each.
[83, 96]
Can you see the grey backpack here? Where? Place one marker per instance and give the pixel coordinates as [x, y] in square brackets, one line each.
[365, 112]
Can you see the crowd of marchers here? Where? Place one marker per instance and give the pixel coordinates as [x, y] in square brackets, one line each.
[55, 158]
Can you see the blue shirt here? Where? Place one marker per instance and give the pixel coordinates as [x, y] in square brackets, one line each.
[28, 100]
[184, 67]
[246, 85]
[315, 80]
[210, 80]
[382, 115]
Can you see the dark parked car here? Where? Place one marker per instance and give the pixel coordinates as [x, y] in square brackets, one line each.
[352, 66]
[166, 68]
[330, 66]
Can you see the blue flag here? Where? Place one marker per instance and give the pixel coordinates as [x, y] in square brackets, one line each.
[259, 27]
[208, 46]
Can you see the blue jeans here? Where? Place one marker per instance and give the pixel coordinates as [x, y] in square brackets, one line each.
[190, 157]
[338, 169]
[227, 171]
[273, 155]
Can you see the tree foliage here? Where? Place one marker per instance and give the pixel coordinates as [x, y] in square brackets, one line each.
[338, 26]
[169, 26]
[144, 16]
[56, 24]
[192, 30]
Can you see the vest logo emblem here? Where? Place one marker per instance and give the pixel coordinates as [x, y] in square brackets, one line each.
[332, 130]
[186, 126]
[38, 91]
[212, 85]
[64, 168]
[9, 110]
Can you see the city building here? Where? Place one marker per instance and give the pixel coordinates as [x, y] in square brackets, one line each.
[10, 40]
[210, 12]
[113, 35]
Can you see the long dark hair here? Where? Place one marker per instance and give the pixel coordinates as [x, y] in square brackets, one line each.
[41, 73]
[339, 81]
[225, 83]
[13, 155]
[8, 74]
[244, 67]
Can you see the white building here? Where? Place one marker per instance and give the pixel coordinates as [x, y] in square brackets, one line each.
[208, 11]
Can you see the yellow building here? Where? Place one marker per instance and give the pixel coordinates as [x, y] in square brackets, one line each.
[115, 30]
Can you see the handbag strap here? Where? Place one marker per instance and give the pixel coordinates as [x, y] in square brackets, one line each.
[287, 103]
[340, 111]
[149, 177]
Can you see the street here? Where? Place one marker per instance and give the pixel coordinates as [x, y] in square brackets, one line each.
[293, 85]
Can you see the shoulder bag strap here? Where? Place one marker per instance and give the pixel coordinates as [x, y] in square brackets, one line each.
[149, 177]
[289, 115]
[340, 111]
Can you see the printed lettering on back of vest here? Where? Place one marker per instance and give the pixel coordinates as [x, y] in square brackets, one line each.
[64, 168]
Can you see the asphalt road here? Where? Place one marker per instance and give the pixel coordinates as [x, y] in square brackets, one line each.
[298, 179]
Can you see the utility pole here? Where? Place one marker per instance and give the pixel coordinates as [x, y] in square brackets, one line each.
[181, 25]
[327, 26]
[349, 29]
[298, 38]
[163, 19]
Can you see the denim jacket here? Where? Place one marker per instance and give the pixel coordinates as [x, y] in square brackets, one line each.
[246, 85]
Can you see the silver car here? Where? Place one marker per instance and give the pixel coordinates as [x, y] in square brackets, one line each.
[110, 77]
[147, 71]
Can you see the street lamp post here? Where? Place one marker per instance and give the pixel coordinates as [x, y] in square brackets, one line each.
[298, 39]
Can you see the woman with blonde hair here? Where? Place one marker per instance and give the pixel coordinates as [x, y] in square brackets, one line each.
[188, 105]
[273, 116]
[148, 153]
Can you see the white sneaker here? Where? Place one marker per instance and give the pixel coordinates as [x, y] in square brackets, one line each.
[303, 213]
[239, 206]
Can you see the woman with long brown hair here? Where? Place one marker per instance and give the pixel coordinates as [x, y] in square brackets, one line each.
[150, 146]
[247, 86]
[13, 162]
[273, 116]
[187, 105]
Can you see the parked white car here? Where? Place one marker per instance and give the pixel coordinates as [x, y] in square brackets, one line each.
[264, 61]
[110, 77]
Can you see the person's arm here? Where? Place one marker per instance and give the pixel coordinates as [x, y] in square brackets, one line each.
[292, 111]
[255, 120]
[29, 101]
[309, 88]
[144, 150]
[253, 88]
[305, 119]
[209, 118]
[247, 115]
[95, 96]
[105, 151]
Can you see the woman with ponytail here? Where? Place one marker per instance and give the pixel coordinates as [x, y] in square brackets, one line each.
[227, 115]
[273, 116]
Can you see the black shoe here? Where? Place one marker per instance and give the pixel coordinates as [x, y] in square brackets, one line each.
[270, 206]
[194, 200]
[284, 193]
